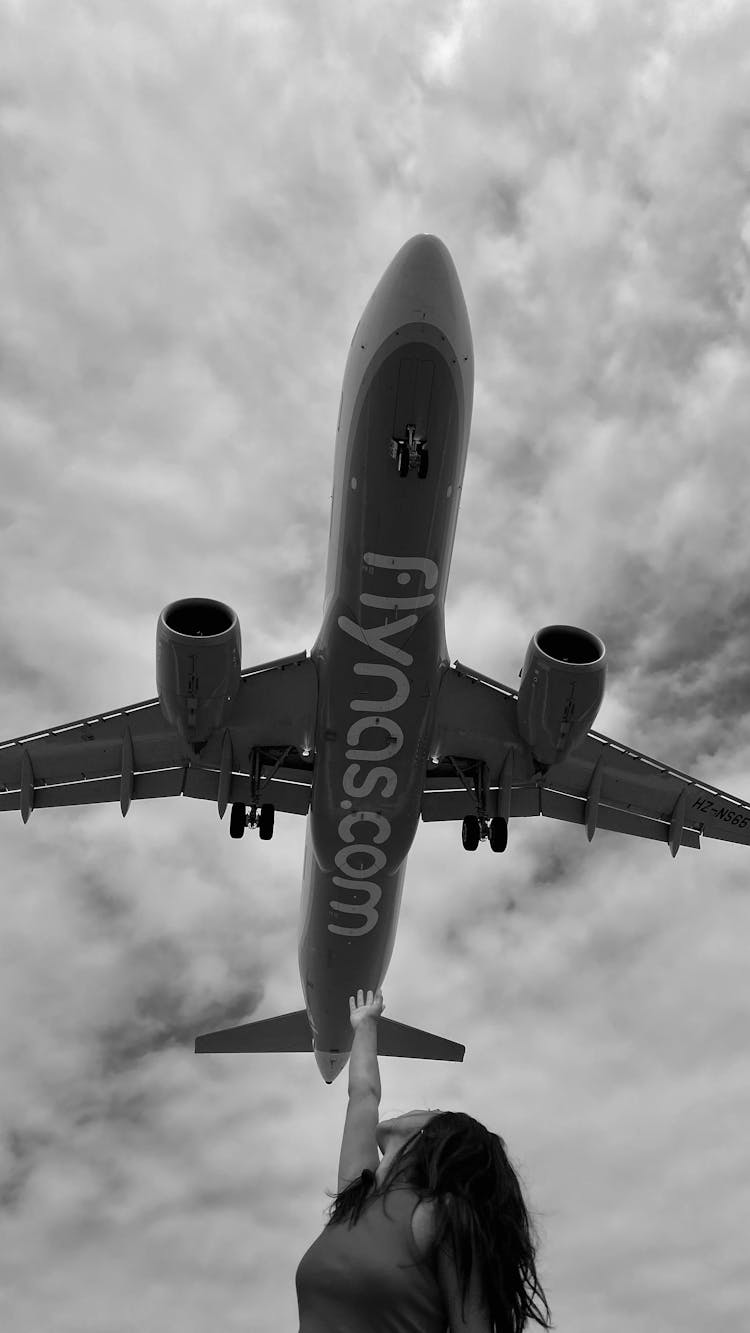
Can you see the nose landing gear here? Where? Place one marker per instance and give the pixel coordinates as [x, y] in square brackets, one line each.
[410, 452]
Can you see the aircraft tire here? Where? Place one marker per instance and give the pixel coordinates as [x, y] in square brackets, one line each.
[265, 823]
[424, 463]
[237, 821]
[403, 460]
[498, 834]
[470, 833]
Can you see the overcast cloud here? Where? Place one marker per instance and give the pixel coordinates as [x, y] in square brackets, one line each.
[196, 201]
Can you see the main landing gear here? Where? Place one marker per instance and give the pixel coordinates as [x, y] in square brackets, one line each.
[263, 821]
[475, 830]
[475, 777]
[239, 820]
[410, 452]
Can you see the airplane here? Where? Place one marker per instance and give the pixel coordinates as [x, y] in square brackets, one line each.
[373, 729]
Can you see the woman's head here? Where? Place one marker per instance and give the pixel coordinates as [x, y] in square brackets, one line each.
[392, 1134]
[480, 1211]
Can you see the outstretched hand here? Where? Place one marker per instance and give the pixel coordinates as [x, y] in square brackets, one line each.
[361, 1008]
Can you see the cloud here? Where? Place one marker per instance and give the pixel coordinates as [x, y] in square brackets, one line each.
[197, 204]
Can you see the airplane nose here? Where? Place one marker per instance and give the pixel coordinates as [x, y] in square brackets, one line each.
[422, 267]
[419, 291]
[421, 286]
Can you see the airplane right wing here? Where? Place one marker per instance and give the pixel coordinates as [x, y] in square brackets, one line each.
[601, 783]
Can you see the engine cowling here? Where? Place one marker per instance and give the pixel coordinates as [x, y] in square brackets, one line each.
[562, 687]
[198, 665]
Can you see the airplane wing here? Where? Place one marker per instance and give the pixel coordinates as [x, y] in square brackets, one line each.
[132, 753]
[600, 784]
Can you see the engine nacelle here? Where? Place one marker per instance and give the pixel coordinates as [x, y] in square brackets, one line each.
[562, 687]
[198, 664]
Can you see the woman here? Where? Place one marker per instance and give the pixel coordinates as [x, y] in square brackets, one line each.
[438, 1236]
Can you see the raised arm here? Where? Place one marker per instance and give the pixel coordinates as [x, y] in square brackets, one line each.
[364, 1074]
[359, 1148]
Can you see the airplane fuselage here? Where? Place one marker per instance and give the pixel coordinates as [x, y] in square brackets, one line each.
[381, 652]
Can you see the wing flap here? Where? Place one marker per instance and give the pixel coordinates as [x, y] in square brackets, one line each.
[627, 778]
[560, 805]
[291, 798]
[527, 801]
[440, 804]
[166, 782]
[288, 797]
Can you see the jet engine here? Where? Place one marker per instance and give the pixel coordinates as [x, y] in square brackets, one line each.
[562, 687]
[198, 664]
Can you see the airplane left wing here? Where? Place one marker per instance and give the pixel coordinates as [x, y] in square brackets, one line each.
[600, 783]
[263, 751]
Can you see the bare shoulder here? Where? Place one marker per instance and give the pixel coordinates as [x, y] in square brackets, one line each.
[423, 1224]
[471, 1318]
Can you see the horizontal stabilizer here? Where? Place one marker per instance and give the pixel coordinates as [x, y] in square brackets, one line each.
[288, 1032]
[291, 1032]
[399, 1039]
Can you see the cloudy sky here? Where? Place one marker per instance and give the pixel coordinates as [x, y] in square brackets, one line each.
[196, 201]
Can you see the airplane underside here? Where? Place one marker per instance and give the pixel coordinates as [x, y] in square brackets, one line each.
[373, 730]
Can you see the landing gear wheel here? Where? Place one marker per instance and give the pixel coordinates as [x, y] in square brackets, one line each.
[424, 462]
[402, 459]
[237, 821]
[498, 834]
[265, 823]
[470, 831]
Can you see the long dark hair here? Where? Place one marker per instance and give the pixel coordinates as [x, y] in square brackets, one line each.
[466, 1168]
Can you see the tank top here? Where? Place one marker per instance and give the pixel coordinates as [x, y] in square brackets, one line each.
[360, 1279]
